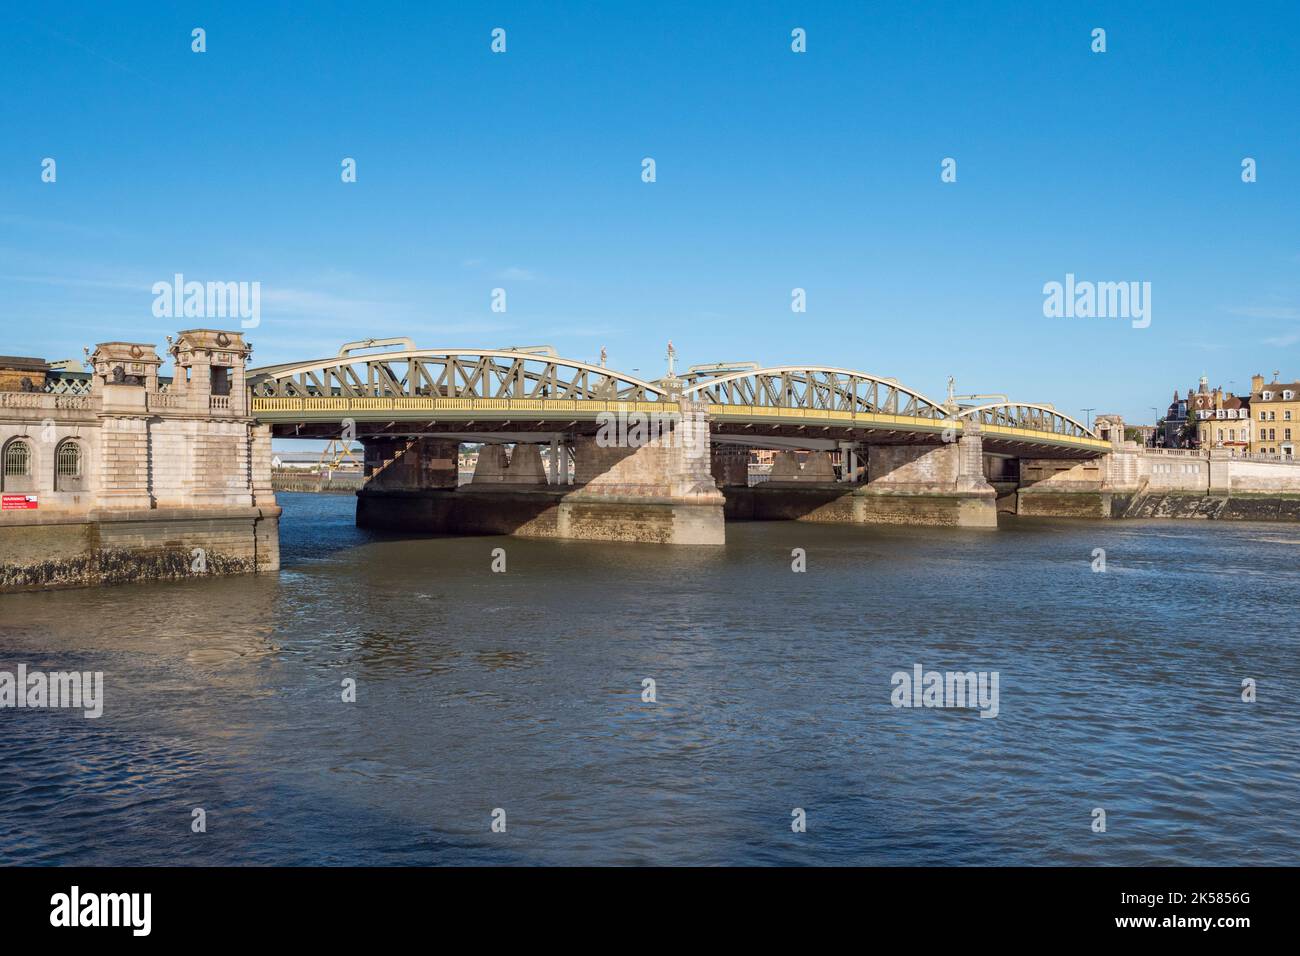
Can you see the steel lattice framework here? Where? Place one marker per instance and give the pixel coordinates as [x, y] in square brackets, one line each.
[533, 388]
[1026, 417]
[814, 388]
[449, 373]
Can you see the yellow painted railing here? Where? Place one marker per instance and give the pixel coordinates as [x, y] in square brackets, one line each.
[749, 412]
[339, 403]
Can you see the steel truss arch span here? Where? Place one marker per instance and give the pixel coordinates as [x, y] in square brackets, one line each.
[815, 388]
[1027, 415]
[449, 373]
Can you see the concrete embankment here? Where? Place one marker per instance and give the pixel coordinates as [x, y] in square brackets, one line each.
[848, 505]
[1153, 483]
[1235, 507]
[55, 551]
[1239, 506]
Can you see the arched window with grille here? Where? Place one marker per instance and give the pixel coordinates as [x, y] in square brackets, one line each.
[16, 468]
[68, 462]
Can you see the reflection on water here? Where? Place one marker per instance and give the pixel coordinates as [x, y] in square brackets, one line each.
[523, 691]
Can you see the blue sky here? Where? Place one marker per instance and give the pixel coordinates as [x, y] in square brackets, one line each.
[775, 170]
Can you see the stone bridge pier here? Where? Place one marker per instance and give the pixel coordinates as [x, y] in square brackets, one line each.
[655, 488]
[410, 464]
[936, 483]
[941, 484]
[729, 465]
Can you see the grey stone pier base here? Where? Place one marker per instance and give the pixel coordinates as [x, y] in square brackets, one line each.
[937, 484]
[660, 491]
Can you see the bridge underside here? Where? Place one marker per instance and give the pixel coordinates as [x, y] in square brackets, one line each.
[826, 437]
[512, 427]
[904, 470]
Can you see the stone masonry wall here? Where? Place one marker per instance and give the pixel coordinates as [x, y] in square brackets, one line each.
[410, 464]
[931, 467]
[675, 464]
[1061, 474]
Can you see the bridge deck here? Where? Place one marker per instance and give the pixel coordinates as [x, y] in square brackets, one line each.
[542, 414]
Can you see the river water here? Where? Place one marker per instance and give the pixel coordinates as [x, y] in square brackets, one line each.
[523, 691]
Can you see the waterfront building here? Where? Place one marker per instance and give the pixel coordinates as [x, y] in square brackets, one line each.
[1113, 428]
[21, 374]
[1207, 418]
[1175, 422]
[1222, 418]
[1144, 435]
[1275, 408]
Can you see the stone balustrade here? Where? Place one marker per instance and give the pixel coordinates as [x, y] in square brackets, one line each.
[45, 400]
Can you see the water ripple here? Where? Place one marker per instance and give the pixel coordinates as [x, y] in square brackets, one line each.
[523, 691]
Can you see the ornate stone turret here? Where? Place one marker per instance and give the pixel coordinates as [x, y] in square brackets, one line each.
[125, 363]
[1109, 428]
[210, 372]
[125, 375]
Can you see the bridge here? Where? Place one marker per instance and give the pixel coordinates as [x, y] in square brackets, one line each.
[491, 392]
[913, 459]
[122, 473]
